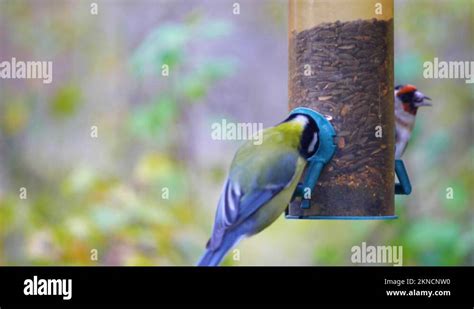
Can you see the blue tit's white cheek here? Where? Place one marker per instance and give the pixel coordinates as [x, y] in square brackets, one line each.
[312, 145]
[302, 120]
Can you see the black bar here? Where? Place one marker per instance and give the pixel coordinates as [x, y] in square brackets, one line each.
[241, 285]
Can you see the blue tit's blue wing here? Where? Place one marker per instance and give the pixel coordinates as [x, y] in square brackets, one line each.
[251, 184]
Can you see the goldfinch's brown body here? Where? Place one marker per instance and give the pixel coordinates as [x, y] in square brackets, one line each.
[407, 101]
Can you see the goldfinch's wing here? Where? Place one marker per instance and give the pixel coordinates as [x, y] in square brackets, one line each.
[251, 184]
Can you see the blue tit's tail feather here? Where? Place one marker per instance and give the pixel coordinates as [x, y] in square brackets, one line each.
[211, 258]
[214, 257]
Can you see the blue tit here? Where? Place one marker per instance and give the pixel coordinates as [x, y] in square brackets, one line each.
[261, 183]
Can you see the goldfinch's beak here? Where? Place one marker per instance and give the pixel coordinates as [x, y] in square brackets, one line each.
[420, 99]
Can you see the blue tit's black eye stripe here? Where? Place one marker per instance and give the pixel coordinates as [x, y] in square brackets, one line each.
[291, 117]
[307, 138]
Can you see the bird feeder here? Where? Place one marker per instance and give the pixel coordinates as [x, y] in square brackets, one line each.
[341, 66]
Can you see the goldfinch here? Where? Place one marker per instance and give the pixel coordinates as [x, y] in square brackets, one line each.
[407, 101]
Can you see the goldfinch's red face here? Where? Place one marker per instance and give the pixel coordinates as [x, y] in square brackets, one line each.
[411, 98]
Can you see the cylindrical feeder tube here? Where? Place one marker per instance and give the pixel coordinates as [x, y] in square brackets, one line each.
[341, 65]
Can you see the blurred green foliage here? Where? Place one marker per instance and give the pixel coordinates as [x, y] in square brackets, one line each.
[14, 116]
[109, 194]
[129, 219]
[189, 78]
[66, 101]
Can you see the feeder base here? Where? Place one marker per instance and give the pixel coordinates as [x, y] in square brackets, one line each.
[341, 217]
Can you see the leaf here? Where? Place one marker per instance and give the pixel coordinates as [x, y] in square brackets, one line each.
[197, 84]
[108, 219]
[435, 242]
[164, 45]
[66, 101]
[213, 29]
[152, 167]
[15, 116]
[161, 171]
[167, 44]
[152, 119]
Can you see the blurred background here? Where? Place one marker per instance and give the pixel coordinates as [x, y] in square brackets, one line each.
[103, 200]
